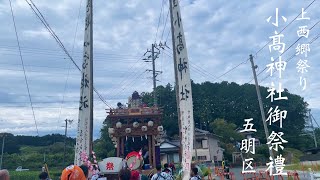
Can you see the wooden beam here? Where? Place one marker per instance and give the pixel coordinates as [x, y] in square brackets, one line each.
[122, 146]
[118, 147]
[150, 149]
[154, 151]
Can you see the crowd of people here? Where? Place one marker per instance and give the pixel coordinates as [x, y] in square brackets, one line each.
[74, 172]
[165, 173]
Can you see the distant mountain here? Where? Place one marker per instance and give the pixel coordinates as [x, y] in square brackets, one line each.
[13, 143]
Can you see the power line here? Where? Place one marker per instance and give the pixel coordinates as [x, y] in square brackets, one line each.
[54, 73]
[159, 21]
[196, 68]
[130, 83]
[38, 107]
[24, 72]
[285, 27]
[52, 51]
[165, 24]
[225, 73]
[45, 23]
[315, 38]
[119, 58]
[132, 73]
[200, 71]
[266, 45]
[244, 62]
[315, 121]
[69, 66]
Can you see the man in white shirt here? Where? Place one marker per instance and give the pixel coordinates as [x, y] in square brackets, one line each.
[161, 175]
[194, 174]
[166, 166]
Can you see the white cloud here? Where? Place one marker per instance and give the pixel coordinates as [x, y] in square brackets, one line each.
[37, 34]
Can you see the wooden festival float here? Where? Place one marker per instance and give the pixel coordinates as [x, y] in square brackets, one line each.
[136, 129]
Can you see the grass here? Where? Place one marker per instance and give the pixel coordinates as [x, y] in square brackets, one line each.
[32, 175]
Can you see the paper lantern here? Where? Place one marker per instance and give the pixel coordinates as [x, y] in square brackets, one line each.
[160, 128]
[118, 125]
[144, 128]
[111, 130]
[128, 130]
[150, 123]
[135, 124]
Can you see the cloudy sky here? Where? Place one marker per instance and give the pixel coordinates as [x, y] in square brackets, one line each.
[220, 35]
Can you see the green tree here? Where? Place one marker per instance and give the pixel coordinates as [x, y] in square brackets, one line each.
[234, 103]
[103, 146]
[167, 101]
[11, 145]
[229, 136]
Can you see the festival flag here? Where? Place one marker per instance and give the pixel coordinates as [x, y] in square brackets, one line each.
[85, 118]
[183, 85]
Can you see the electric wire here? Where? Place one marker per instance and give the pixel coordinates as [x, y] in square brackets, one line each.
[45, 23]
[165, 24]
[69, 64]
[155, 39]
[27, 49]
[24, 72]
[129, 83]
[291, 47]
[244, 62]
[256, 53]
[196, 68]
[315, 121]
[128, 76]
[284, 28]
[225, 73]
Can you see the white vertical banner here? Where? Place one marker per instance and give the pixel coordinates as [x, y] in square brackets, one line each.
[182, 73]
[85, 110]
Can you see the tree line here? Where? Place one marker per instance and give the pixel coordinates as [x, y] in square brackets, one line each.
[219, 108]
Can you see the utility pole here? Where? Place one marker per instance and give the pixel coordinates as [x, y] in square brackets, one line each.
[154, 76]
[65, 139]
[155, 51]
[3, 137]
[314, 135]
[261, 105]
